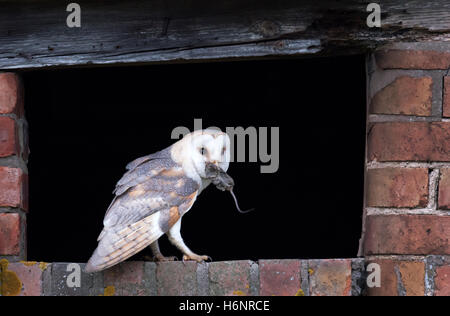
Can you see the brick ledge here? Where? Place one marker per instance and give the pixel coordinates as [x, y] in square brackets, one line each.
[287, 277]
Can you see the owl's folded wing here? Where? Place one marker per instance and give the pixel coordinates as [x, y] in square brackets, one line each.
[148, 202]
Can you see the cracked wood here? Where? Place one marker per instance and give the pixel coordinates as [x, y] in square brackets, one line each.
[34, 34]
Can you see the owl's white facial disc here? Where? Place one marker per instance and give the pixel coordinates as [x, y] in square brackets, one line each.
[200, 147]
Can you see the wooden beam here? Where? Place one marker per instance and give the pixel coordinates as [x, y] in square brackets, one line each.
[34, 34]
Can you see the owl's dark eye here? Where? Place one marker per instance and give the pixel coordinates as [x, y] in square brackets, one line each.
[202, 150]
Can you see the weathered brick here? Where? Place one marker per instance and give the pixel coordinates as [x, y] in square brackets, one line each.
[442, 281]
[407, 234]
[177, 278]
[229, 278]
[9, 234]
[397, 187]
[9, 144]
[405, 95]
[359, 280]
[279, 277]
[11, 94]
[330, 277]
[412, 59]
[23, 278]
[64, 276]
[399, 278]
[446, 101]
[126, 279]
[409, 141]
[150, 282]
[444, 190]
[13, 188]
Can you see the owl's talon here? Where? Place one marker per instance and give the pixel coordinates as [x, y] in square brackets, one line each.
[194, 257]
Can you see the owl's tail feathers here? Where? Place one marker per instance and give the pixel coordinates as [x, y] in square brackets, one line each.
[119, 243]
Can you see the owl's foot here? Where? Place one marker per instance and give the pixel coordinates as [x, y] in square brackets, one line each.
[160, 258]
[194, 257]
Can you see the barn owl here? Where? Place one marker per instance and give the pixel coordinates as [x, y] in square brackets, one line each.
[154, 194]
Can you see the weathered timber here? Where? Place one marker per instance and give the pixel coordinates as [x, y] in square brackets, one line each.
[34, 33]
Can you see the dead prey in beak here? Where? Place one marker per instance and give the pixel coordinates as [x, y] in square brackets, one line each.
[223, 182]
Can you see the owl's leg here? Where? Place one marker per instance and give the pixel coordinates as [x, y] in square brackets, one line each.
[176, 239]
[157, 255]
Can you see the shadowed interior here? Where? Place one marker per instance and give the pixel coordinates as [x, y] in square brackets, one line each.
[86, 124]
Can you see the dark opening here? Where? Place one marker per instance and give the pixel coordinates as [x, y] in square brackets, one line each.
[85, 125]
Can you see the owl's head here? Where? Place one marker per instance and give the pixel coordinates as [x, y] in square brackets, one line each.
[200, 147]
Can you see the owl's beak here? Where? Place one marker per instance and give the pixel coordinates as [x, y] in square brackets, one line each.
[215, 163]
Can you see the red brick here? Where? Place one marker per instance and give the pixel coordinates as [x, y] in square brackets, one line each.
[9, 234]
[25, 278]
[177, 278]
[444, 190]
[412, 59]
[279, 277]
[13, 188]
[399, 278]
[230, 278]
[405, 95]
[407, 234]
[442, 281]
[9, 144]
[409, 141]
[330, 277]
[11, 94]
[397, 187]
[125, 279]
[446, 109]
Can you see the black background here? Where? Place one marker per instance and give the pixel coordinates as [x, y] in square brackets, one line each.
[86, 124]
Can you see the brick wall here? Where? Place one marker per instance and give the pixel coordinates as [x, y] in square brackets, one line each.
[13, 169]
[407, 222]
[406, 226]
